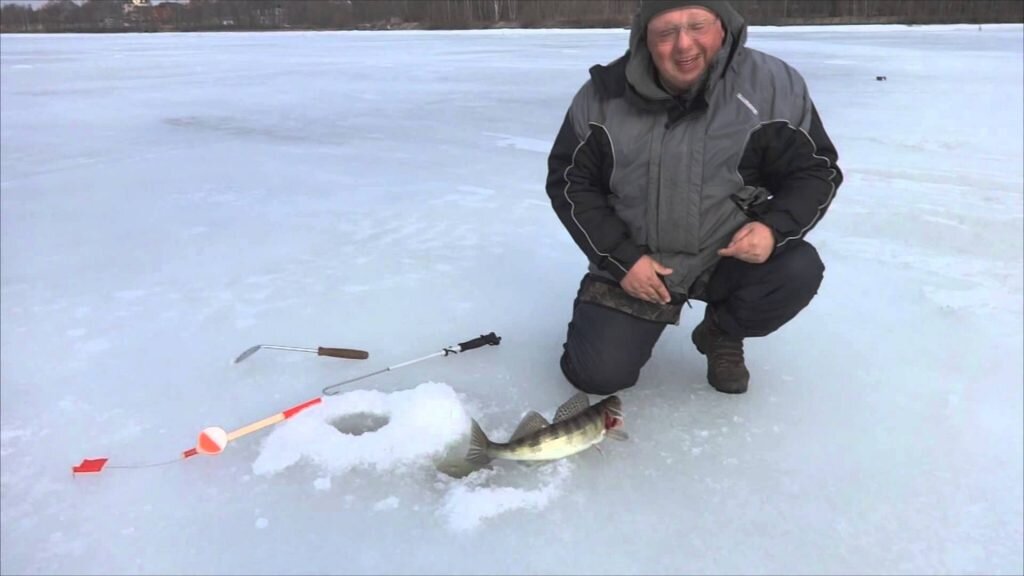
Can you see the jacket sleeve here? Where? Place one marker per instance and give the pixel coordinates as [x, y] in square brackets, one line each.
[798, 166]
[579, 171]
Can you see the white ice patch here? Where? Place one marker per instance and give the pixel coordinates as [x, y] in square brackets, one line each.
[389, 503]
[368, 428]
[468, 502]
[400, 432]
[974, 298]
[521, 142]
[11, 436]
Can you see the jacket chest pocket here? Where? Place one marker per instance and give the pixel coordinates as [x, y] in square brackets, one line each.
[630, 180]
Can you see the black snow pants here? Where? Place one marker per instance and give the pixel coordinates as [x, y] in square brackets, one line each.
[605, 348]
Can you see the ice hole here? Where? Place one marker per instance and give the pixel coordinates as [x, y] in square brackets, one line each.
[359, 423]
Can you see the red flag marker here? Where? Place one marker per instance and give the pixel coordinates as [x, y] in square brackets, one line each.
[89, 466]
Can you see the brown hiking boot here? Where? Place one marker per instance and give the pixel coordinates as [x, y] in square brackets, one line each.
[726, 371]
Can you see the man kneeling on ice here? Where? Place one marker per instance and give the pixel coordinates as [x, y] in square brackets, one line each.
[691, 167]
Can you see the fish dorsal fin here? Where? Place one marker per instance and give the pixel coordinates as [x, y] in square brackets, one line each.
[530, 423]
[572, 407]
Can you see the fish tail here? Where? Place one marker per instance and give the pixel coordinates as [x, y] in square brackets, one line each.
[478, 444]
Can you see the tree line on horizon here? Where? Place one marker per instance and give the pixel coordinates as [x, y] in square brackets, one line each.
[225, 15]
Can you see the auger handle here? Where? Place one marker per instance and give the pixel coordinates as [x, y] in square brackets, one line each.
[343, 353]
[484, 340]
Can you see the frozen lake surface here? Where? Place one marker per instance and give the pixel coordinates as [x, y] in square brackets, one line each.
[168, 200]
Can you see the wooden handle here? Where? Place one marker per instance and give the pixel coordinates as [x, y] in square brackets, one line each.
[268, 421]
[343, 353]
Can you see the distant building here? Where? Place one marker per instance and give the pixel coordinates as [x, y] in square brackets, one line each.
[131, 6]
[136, 12]
[168, 13]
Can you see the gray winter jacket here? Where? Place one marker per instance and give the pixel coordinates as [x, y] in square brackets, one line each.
[635, 171]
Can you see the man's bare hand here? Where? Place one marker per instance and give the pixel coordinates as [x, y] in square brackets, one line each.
[752, 243]
[643, 281]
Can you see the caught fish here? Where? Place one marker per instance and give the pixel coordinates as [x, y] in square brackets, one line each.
[577, 426]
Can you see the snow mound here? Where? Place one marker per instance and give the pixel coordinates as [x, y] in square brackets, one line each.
[472, 500]
[368, 428]
[424, 427]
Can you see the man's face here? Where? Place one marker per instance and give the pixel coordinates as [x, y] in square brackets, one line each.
[682, 43]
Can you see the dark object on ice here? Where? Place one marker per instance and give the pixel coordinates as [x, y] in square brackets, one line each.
[491, 339]
[319, 351]
[880, 78]
[726, 370]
